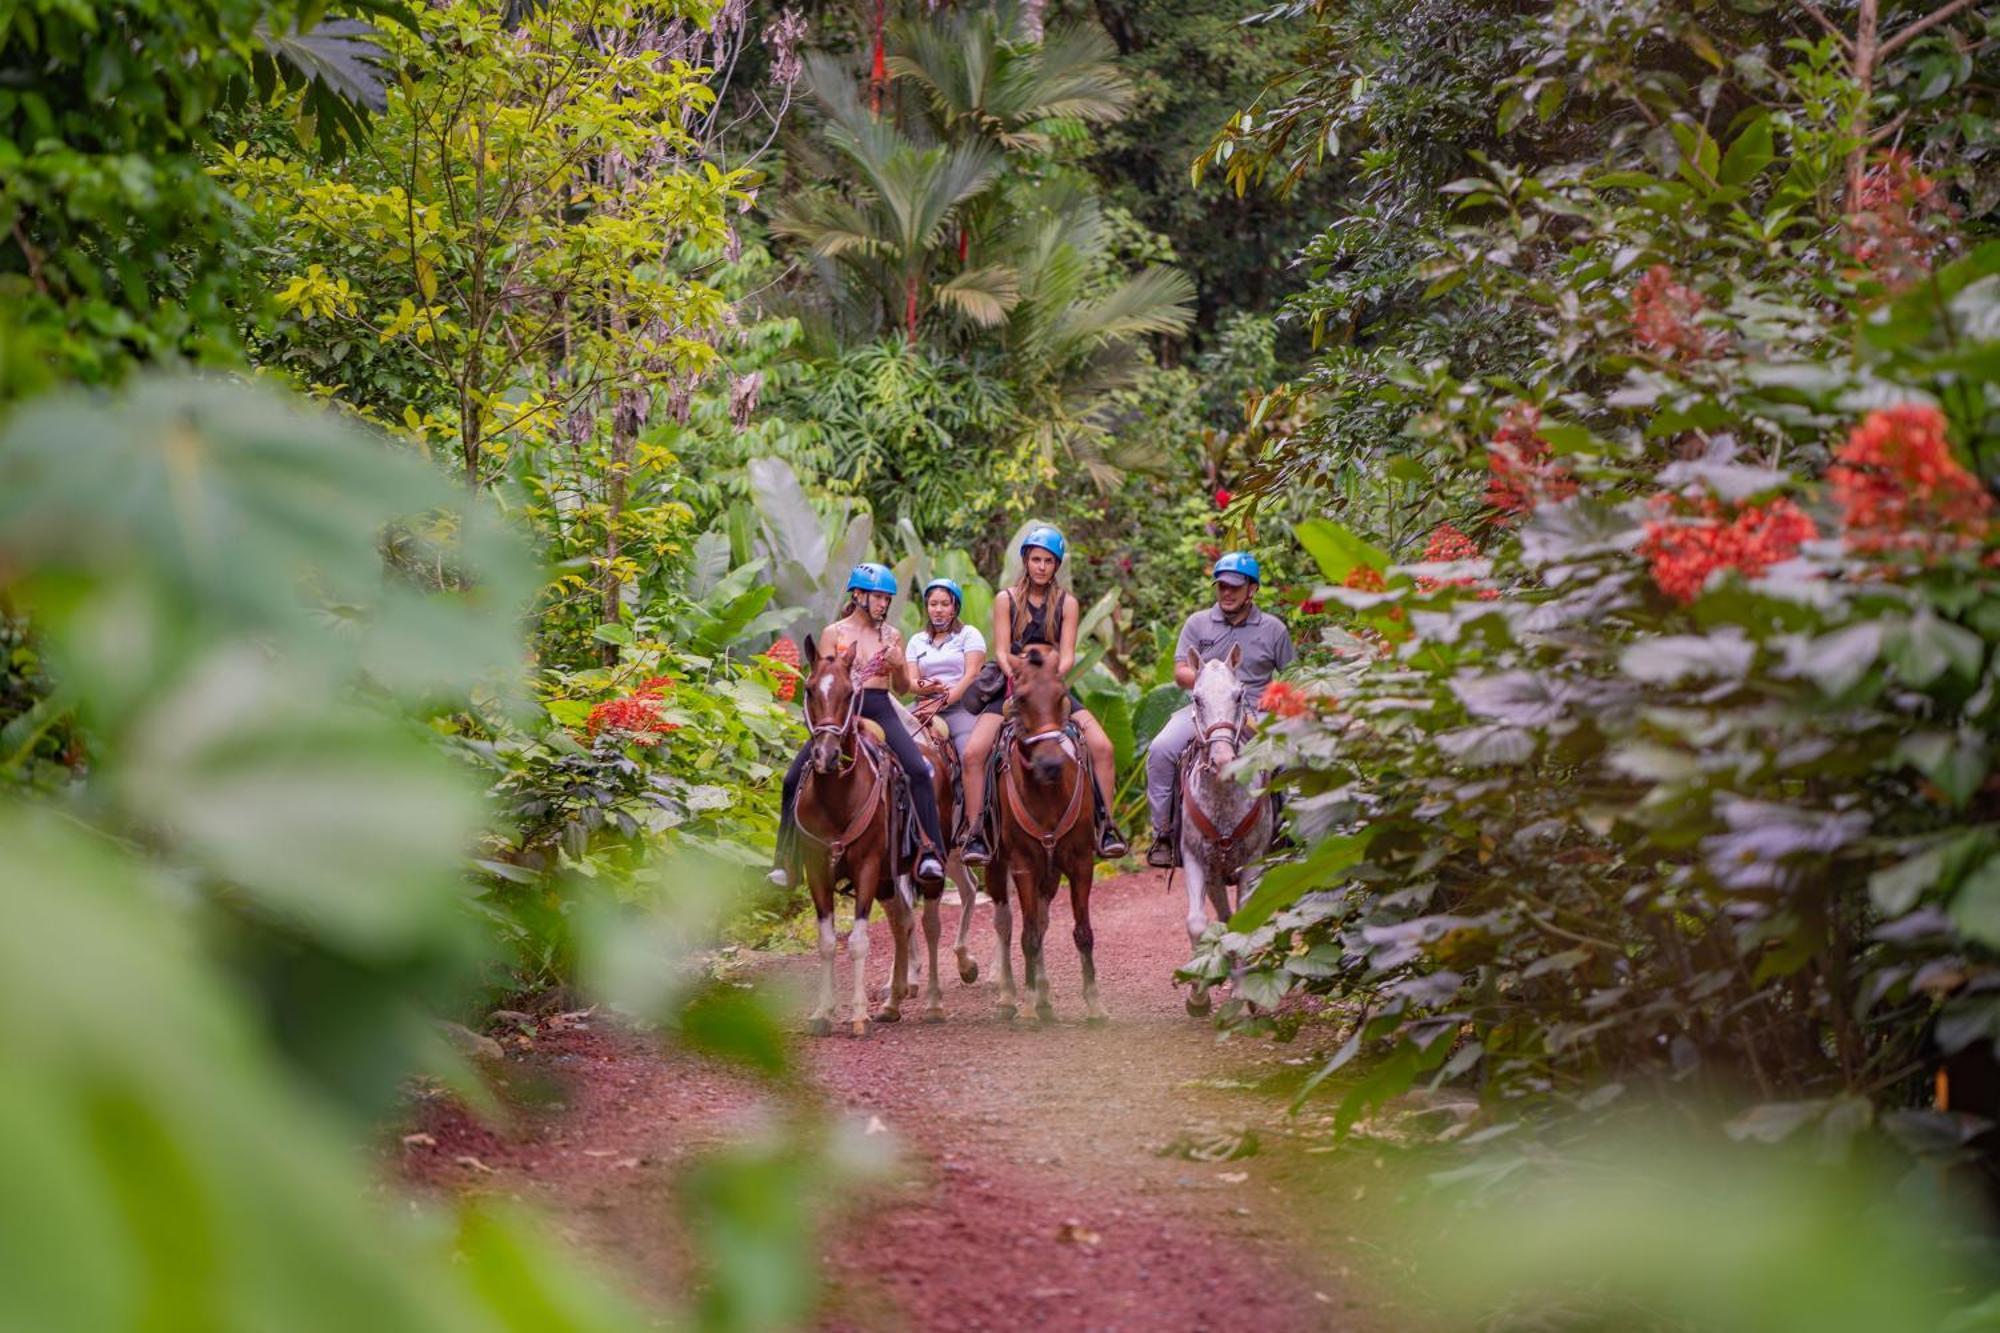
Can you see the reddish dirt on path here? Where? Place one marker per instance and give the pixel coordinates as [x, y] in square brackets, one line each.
[1033, 1185]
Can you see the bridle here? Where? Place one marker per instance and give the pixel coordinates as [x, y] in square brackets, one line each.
[850, 753]
[1210, 735]
[843, 730]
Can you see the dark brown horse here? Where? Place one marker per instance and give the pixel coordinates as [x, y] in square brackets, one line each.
[1047, 831]
[842, 813]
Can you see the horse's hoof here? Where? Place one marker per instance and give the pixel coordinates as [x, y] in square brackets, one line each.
[888, 1013]
[820, 1027]
[1198, 1006]
[860, 1027]
[934, 1014]
[1009, 1012]
[1045, 1013]
[968, 970]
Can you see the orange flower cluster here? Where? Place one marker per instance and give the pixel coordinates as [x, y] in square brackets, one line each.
[1365, 578]
[1448, 544]
[1900, 490]
[1522, 474]
[637, 713]
[786, 651]
[1694, 538]
[1901, 222]
[1663, 317]
[1283, 699]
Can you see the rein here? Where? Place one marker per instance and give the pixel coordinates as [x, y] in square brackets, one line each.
[864, 816]
[1010, 788]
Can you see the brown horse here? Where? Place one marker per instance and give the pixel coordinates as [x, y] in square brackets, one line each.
[943, 758]
[1046, 816]
[843, 816]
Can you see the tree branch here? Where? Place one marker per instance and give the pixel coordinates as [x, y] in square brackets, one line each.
[1925, 24]
[1819, 17]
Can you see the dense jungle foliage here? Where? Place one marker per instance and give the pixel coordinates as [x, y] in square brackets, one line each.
[428, 430]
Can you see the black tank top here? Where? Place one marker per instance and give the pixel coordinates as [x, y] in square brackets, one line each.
[1036, 624]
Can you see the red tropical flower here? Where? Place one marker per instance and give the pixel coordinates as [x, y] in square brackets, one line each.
[637, 715]
[1283, 699]
[1664, 314]
[1695, 537]
[1365, 578]
[1902, 221]
[1223, 497]
[1312, 606]
[1449, 544]
[786, 651]
[1522, 473]
[1902, 492]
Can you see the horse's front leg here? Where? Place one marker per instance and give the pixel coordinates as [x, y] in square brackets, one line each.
[820, 1022]
[857, 948]
[1195, 870]
[968, 903]
[1034, 929]
[1079, 907]
[1003, 930]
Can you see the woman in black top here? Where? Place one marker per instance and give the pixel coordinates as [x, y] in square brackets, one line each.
[1039, 611]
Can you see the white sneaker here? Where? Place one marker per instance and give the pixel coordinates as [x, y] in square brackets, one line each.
[779, 878]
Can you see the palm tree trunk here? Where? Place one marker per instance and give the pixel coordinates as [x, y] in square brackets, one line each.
[910, 308]
[878, 70]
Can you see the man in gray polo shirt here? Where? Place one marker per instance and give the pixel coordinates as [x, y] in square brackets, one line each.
[1233, 622]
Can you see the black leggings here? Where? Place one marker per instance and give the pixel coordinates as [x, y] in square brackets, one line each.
[875, 706]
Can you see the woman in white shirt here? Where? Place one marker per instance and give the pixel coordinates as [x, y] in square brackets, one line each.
[946, 658]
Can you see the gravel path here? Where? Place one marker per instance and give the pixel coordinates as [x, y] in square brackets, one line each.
[1035, 1185]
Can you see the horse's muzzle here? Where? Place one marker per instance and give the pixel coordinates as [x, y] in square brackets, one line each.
[825, 756]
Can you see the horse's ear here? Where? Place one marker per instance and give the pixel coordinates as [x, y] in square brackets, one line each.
[1235, 656]
[812, 654]
[1193, 660]
[846, 650]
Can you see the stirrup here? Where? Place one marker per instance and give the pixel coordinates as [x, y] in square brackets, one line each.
[933, 879]
[975, 852]
[1163, 855]
[779, 878]
[1111, 843]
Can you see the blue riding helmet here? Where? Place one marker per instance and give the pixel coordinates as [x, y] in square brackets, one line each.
[1241, 563]
[872, 577]
[957, 593]
[1049, 538]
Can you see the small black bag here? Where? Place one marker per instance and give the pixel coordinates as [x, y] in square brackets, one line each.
[987, 686]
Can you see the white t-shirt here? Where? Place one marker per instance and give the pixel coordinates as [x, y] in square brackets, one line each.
[943, 660]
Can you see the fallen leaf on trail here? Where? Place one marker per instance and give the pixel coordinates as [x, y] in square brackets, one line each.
[419, 1141]
[1209, 1143]
[1232, 1177]
[467, 1159]
[875, 1125]
[600, 1152]
[628, 1163]
[1074, 1232]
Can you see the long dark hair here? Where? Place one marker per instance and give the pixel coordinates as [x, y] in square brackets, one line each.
[1017, 611]
[930, 626]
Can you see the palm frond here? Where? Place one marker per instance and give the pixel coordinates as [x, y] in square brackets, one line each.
[983, 295]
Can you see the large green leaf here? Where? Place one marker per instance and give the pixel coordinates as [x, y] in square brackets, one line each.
[1337, 551]
[1323, 868]
[1158, 705]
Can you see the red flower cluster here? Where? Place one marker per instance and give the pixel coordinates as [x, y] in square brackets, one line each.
[1522, 473]
[1312, 606]
[1211, 550]
[1900, 490]
[1223, 497]
[1694, 538]
[1283, 699]
[1448, 544]
[1663, 317]
[637, 713]
[1365, 578]
[1901, 222]
[786, 651]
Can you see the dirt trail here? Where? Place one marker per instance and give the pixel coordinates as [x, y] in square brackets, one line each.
[1034, 1187]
